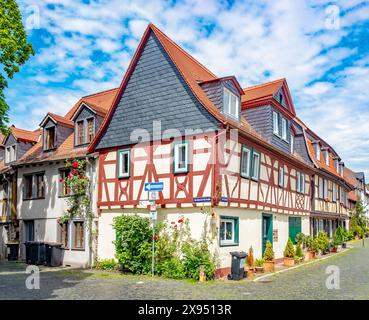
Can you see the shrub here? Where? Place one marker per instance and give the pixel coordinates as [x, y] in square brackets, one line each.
[250, 258]
[302, 239]
[322, 241]
[259, 262]
[299, 251]
[173, 268]
[133, 243]
[108, 264]
[312, 244]
[268, 253]
[289, 251]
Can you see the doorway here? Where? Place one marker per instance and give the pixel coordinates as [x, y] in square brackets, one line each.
[267, 229]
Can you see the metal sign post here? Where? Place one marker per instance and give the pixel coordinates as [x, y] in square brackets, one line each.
[152, 189]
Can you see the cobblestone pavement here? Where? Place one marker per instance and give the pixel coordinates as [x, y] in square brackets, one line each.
[306, 282]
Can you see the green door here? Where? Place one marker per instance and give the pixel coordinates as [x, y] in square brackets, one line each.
[294, 227]
[267, 229]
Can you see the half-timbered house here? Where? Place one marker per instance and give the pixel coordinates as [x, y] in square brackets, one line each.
[174, 121]
[41, 190]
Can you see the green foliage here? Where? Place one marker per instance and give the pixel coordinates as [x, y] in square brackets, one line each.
[312, 244]
[322, 241]
[250, 258]
[268, 253]
[108, 264]
[133, 243]
[358, 215]
[176, 254]
[14, 51]
[299, 251]
[302, 239]
[259, 262]
[289, 251]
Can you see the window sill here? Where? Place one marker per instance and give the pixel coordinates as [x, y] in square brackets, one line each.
[229, 244]
[78, 249]
[64, 196]
[29, 199]
[123, 177]
[180, 172]
[51, 149]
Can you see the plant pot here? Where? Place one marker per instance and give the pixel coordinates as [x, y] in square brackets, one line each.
[288, 262]
[344, 246]
[334, 249]
[250, 272]
[312, 255]
[259, 269]
[307, 256]
[339, 248]
[269, 266]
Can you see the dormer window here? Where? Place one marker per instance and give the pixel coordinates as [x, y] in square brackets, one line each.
[280, 98]
[231, 104]
[326, 157]
[85, 131]
[11, 153]
[317, 151]
[280, 126]
[49, 138]
[336, 163]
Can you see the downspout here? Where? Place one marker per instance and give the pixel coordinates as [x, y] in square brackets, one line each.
[90, 220]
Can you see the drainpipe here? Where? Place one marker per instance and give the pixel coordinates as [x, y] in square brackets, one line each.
[90, 192]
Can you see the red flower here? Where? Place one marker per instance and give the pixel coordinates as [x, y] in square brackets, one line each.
[180, 221]
[61, 180]
[75, 165]
[73, 172]
[155, 237]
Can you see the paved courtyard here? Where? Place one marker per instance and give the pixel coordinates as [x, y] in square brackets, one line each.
[306, 282]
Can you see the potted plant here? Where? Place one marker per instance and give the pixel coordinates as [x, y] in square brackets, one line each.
[312, 247]
[289, 254]
[299, 253]
[250, 263]
[269, 257]
[259, 265]
[322, 242]
[303, 241]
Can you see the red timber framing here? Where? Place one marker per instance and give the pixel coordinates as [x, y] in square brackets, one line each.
[152, 162]
[263, 193]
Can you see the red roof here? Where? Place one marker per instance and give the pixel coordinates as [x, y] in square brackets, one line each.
[59, 119]
[261, 91]
[1, 140]
[25, 135]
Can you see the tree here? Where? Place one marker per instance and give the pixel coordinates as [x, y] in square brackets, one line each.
[358, 215]
[15, 50]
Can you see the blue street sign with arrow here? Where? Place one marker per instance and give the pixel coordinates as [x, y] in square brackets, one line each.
[154, 186]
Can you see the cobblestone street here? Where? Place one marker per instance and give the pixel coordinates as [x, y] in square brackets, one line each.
[306, 282]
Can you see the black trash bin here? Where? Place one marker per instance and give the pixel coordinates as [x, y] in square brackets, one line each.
[238, 265]
[35, 252]
[53, 253]
[12, 251]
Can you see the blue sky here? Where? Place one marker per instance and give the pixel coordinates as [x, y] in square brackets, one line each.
[321, 47]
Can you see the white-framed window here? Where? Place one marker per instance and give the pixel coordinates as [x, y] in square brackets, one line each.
[326, 157]
[284, 129]
[334, 192]
[317, 151]
[292, 143]
[325, 189]
[321, 187]
[298, 181]
[124, 163]
[228, 231]
[181, 153]
[275, 123]
[11, 153]
[255, 165]
[231, 103]
[245, 162]
[281, 177]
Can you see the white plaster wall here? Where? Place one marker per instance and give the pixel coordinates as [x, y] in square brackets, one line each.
[46, 211]
[3, 241]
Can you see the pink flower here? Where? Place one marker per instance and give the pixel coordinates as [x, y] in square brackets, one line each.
[187, 220]
[61, 180]
[73, 172]
[172, 222]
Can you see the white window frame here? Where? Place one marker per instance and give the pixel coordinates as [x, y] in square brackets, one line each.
[255, 164]
[292, 143]
[228, 241]
[228, 108]
[11, 153]
[334, 192]
[326, 157]
[325, 188]
[298, 181]
[317, 151]
[281, 177]
[284, 129]
[320, 188]
[121, 153]
[248, 151]
[275, 123]
[176, 147]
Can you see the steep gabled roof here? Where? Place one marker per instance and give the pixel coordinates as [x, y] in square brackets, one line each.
[25, 135]
[260, 93]
[57, 119]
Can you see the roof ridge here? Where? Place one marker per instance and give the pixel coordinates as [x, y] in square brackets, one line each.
[99, 93]
[263, 84]
[156, 29]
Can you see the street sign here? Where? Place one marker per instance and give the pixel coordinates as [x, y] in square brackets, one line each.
[154, 186]
[145, 203]
[153, 215]
[153, 195]
[153, 207]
